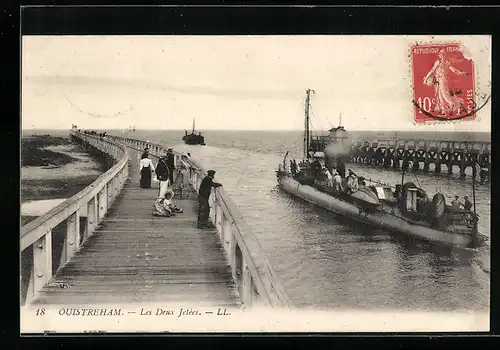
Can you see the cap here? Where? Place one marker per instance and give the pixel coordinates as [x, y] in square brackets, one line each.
[169, 150]
[211, 172]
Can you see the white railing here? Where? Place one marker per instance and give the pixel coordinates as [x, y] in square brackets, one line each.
[94, 200]
[251, 270]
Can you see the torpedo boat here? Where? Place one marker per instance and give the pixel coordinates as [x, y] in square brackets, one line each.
[403, 209]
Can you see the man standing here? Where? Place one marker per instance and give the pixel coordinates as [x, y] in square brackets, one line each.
[340, 167]
[162, 174]
[204, 194]
[467, 204]
[456, 203]
[171, 166]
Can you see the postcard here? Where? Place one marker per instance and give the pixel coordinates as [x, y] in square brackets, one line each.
[255, 183]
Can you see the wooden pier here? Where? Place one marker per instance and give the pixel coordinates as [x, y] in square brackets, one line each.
[394, 153]
[120, 253]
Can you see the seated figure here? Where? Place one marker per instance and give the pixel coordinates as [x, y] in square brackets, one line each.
[163, 206]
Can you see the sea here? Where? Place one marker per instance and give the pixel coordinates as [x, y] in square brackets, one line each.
[326, 261]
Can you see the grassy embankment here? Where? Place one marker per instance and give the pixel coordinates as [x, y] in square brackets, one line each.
[54, 167]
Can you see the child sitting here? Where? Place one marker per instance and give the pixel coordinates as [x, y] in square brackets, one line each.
[165, 207]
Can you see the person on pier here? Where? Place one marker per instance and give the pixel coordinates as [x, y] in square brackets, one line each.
[184, 171]
[164, 206]
[204, 194]
[146, 168]
[146, 152]
[171, 165]
[162, 174]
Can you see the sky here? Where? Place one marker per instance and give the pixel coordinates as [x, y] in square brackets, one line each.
[230, 82]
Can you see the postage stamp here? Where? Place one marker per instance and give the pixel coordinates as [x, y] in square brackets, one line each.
[443, 83]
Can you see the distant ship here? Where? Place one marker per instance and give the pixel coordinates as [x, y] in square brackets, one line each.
[193, 139]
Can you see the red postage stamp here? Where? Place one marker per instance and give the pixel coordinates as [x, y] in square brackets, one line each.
[443, 83]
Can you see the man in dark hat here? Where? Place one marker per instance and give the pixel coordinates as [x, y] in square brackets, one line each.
[204, 193]
[171, 166]
[163, 175]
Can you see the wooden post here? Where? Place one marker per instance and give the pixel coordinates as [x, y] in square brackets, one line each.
[247, 286]
[91, 216]
[42, 262]
[227, 238]
[198, 181]
[72, 241]
[218, 220]
[232, 258]
[116, 185]
[103, 203]
[110, 189]
[211, 204]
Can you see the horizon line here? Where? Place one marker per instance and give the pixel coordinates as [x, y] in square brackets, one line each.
[260, 130]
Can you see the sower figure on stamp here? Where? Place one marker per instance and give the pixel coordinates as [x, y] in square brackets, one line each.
[445, 102]
[162, 174]
[204, 193]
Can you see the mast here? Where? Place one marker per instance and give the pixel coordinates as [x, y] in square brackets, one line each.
[193, 127]
[307, 136]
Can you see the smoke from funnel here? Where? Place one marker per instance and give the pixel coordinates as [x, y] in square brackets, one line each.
[335, 149]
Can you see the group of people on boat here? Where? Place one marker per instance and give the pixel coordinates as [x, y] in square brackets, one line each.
[165, 168]
[332, 172]
[457, 204]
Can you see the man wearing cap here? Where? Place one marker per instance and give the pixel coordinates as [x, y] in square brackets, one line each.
[171, 166]
[204, 193]
[162, 174]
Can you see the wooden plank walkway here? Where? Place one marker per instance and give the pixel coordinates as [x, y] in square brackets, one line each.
[135, 257]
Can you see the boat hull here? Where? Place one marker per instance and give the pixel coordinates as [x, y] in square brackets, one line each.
[193, 139]
[378, 219]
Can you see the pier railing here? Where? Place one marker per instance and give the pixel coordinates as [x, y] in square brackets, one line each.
[93, 202]
[251, 270]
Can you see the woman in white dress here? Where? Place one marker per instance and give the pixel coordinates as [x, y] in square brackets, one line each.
[146, 169]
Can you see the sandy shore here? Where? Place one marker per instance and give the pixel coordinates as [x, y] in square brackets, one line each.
[67, 169]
